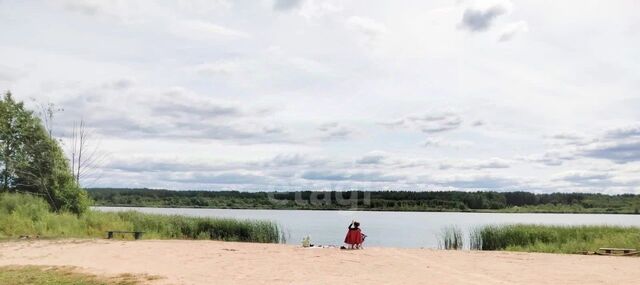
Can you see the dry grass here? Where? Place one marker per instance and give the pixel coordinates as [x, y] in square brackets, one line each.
[47, 275]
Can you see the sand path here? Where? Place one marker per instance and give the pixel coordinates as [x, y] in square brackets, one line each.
[212, 262]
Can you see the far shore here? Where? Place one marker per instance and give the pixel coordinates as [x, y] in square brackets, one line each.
[215, 262]
[506, 211]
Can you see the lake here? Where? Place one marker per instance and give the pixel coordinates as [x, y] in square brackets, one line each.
[388, 229]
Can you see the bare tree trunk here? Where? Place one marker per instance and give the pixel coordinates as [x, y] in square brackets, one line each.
[5, 178]
[85, 156]
[5, 171]
[82, 137]
[85, 153]
[73, 149]
[47, 112]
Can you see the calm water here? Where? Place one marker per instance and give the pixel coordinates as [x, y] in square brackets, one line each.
[391, 229]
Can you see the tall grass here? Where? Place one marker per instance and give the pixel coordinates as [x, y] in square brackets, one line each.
[22, 215]
[553, 239]
[475, 239]
[451, 238]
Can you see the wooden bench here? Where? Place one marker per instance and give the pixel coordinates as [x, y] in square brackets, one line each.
[136, 235]
[616, 251]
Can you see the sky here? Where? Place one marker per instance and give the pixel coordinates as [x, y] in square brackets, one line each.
[279, 95]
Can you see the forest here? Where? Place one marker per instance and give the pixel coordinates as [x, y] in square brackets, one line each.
[373, 200]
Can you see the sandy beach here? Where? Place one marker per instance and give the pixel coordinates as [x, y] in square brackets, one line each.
[212, 262]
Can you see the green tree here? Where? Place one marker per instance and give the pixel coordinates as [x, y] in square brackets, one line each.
[33, 162]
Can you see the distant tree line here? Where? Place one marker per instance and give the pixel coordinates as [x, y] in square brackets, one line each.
[375, 200]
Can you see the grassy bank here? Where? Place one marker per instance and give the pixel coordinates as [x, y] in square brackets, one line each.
[24, 215]
[39, 275]
[553, 239]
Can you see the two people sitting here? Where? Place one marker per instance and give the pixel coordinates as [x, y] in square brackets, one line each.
[354, 237]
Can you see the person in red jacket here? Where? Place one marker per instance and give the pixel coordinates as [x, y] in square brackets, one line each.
[354, 237]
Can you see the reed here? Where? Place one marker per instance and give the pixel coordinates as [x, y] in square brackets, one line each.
[475, 239]
[553, 239]
[25, 215]
[451, 237]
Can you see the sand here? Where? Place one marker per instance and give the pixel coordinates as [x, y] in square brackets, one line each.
[212, 262]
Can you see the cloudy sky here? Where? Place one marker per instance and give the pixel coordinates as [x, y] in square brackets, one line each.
[304, 94]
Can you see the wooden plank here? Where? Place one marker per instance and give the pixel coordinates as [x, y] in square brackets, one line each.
[136, 234]
[617, 249]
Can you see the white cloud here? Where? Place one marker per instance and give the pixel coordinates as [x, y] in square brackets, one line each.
[335, 131]
[428, 123]
[585, 177]
[368, 28]
[481, 18]
[225, 68]
[203, 30]
[172, 114]
[10, 74]
[492, 163]
[264, 93]
[372, 158]
[286, 4]
[90, 8]
[315, 9]
[440, 142]
[550, 158]
[513, 29]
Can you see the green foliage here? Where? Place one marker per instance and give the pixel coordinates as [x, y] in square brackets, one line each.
[553, 239]
[516, 202]
[32, 161]
[451, 238]
[25, 215]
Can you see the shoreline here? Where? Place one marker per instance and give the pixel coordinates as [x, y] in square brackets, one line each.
[369, 210]
[207, 262]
